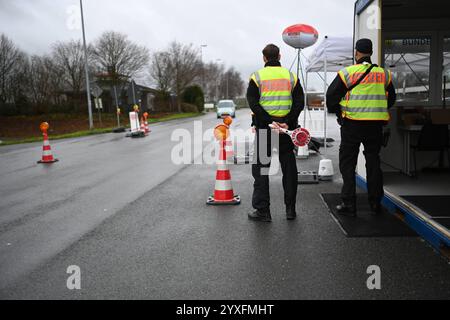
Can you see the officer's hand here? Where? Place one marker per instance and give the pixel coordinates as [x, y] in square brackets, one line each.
[283, 125]
[275, 127]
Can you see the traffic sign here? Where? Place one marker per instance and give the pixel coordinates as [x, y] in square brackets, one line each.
[98, 103]
[134, 122]
[96, 91]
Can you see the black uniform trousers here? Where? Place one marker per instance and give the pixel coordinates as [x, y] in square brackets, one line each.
[260, 169]
[370, 134]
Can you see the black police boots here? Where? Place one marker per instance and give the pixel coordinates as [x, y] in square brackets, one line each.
[291, 214]
[260, 216]
[346, 210]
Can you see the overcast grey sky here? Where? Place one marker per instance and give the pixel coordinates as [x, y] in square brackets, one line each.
[234, 30]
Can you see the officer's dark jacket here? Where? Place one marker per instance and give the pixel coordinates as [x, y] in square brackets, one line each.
[261, 118]
[337, 91]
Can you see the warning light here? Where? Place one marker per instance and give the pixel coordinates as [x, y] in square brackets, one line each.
[146, 115]
[44, 127]
[119, 111]
[228, 121]
[221, 132]
[136, 108]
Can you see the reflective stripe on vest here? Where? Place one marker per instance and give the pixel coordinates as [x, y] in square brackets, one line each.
[275, 87]
[368, 100]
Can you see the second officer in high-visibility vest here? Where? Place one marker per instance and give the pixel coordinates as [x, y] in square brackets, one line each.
[275, 97]
[361, 98]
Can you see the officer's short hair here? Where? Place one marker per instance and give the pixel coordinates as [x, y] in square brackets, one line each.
[271, 52]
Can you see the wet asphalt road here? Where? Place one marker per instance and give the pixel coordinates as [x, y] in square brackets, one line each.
[138, 227]
[44, 209]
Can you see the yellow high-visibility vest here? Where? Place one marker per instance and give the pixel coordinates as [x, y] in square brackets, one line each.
[275, 87]
[368, 100]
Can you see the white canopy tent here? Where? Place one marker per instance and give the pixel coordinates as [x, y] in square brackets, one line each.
[332, 54]
[335, 52]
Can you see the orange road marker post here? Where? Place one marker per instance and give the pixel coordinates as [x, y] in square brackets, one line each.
[223, 191]
[146, 126]
[47, 156]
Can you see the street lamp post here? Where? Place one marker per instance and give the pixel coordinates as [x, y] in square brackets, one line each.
[86, 68]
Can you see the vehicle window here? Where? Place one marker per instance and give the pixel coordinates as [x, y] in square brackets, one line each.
[227, 104]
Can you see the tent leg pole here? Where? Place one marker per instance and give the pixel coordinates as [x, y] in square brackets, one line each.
[306, 98]
[325, 104]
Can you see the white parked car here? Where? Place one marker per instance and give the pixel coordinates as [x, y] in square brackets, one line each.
[226, 108]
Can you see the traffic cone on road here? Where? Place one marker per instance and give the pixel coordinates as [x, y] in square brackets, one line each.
[143, 126]
[146, 127]
[223, 192]
[47, 156]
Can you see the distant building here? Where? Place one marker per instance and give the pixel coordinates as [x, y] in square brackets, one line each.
[117, 93]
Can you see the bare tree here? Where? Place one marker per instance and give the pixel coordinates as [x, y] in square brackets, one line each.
[10, 58]
[68, 59]
[231, 84]
[176, 68]
[19, 84]
[185, 66]
[223, 84]
[160, 71]
[213, 76]
[41, 75]
[117, 55]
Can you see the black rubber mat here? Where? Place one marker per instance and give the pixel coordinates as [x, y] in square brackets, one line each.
[365, 224]
[435, 206]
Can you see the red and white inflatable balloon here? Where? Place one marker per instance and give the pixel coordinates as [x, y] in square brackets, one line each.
[300, 36]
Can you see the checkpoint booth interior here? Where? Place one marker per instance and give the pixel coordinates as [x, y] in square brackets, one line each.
[412, 39]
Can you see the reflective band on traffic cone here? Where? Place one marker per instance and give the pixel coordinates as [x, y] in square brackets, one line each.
[47, 156]
[147, 128]
[223, 193]
[143, 125]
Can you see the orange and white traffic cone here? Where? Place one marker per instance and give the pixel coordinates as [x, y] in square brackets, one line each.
[143, 126]
[223, 192]
[146, 126]
[47, 156]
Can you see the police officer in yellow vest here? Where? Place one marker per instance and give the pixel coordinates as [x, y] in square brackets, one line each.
[275, 97]
[361, 96]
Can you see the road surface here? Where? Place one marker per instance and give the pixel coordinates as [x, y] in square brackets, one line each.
[137, 226]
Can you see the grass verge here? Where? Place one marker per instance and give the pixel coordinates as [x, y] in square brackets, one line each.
[85, 133]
